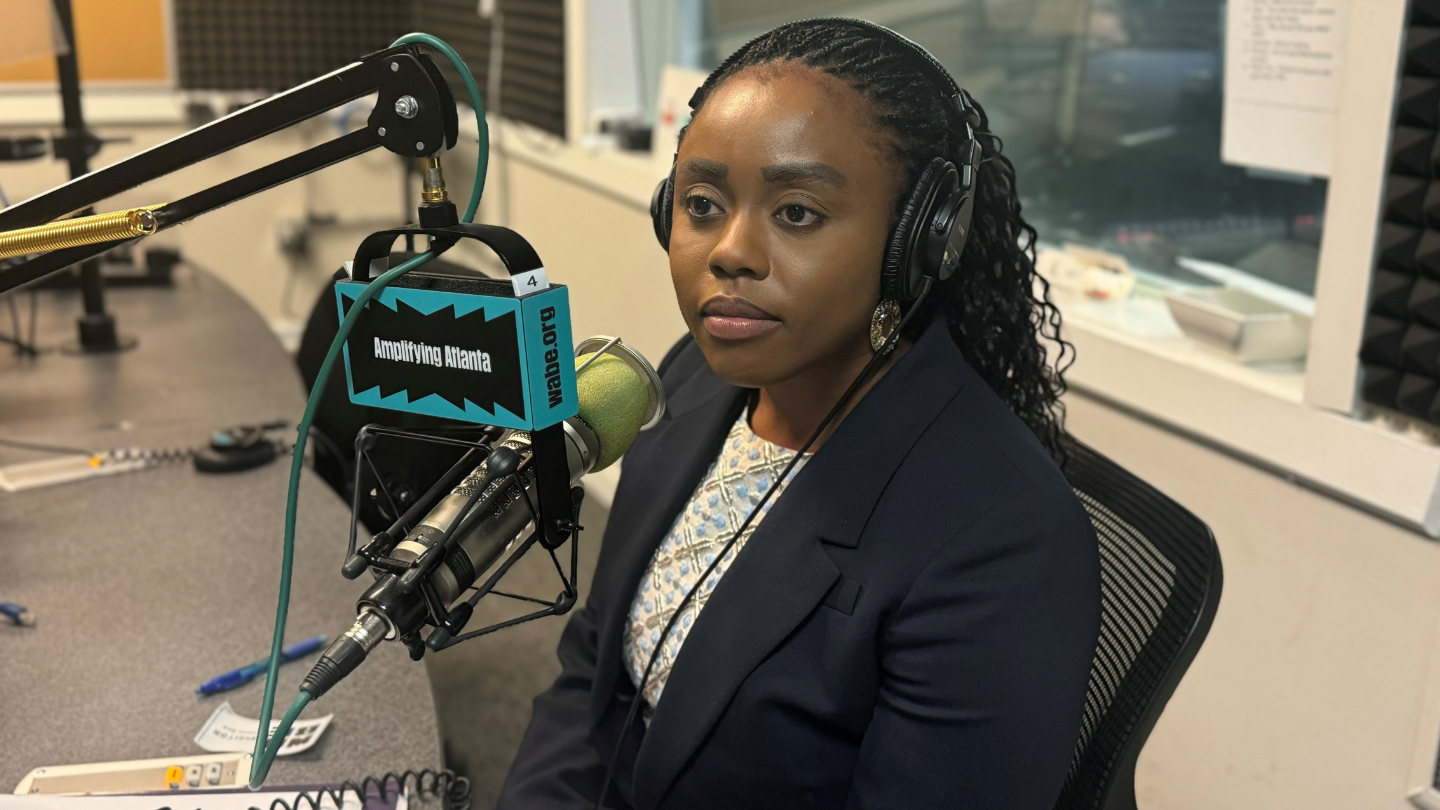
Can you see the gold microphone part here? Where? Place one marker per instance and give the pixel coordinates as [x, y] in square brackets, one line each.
[433, 188]
[89, 230]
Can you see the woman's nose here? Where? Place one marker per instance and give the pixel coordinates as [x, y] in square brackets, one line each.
[741, 249]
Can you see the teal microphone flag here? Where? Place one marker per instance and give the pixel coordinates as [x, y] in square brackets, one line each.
[463, 348]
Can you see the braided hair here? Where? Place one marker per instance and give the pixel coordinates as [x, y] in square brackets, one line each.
[997, 307]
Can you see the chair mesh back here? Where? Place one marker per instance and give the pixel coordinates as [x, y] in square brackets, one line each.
[1135, 585]
[1160, 580]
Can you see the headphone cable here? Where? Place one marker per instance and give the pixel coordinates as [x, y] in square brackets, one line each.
[926, 284]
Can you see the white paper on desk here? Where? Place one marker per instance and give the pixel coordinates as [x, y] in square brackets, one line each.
[227, 731]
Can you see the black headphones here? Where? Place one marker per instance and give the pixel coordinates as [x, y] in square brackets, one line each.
[934, 221]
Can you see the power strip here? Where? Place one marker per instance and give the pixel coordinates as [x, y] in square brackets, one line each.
[139, 776]
[51, 471]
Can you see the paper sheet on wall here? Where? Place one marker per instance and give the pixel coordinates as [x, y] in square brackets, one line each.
[1283, 69]
[228, 731]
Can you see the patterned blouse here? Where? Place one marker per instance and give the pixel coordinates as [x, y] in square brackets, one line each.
[746, 467]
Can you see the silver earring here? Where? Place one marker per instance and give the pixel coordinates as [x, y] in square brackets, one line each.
[883, 322]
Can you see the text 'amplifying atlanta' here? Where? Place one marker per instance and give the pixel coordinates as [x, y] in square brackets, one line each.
[406, 351]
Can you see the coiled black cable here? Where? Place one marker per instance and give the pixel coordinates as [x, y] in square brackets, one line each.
[443, 784]
[163, 455]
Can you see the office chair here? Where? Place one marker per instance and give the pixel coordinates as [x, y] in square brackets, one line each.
[1160, 586]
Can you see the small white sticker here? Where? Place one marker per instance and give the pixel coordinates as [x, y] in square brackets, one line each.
[228, 731]
[531, 282]
[377, 267]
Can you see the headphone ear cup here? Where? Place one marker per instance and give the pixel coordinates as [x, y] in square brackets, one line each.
[901, 270]
[660, 209]
[950, 243]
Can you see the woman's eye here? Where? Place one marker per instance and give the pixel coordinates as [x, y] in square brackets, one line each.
[798, 215]
[700, 206]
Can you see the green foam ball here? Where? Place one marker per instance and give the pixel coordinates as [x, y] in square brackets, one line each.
[612, 402]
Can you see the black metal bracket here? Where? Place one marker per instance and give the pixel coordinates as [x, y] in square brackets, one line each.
[376, 552]
[443, 637]
[552, 486]
[392, 73]
[398, 579]
[515, 252]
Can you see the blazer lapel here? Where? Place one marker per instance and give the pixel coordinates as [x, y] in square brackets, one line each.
[783, 572]
[774, 583]
[675, 453]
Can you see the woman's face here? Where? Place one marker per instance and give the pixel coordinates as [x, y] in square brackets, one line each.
[783, 195]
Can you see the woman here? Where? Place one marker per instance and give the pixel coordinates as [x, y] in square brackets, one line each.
[909, 617]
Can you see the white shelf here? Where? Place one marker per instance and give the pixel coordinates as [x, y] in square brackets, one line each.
[1144, 324]
[1127, 355]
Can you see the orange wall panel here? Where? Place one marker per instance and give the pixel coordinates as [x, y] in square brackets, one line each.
[118, 42]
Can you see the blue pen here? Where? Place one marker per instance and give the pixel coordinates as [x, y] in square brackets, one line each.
[245, 674]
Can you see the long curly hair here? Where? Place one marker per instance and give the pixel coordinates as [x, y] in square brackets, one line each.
[997, 307]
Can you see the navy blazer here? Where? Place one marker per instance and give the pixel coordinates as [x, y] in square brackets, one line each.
[911, 626]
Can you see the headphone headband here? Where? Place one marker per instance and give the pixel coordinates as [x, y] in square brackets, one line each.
[932, 67]
[933, 225]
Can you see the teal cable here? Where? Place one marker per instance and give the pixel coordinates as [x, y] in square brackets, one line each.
[266, 746]
[278, 739]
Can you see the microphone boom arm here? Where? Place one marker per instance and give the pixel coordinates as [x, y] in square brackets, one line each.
[425, 125]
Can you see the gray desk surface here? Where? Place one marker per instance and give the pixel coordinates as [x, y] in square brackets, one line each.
[146, 584]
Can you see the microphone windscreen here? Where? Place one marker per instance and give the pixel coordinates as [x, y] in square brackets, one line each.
[613, 401]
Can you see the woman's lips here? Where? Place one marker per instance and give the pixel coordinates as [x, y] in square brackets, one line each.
[731, 318]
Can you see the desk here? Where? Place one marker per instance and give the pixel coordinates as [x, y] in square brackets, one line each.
[146, 584]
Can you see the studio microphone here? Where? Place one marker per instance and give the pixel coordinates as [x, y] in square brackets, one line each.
[619, 394]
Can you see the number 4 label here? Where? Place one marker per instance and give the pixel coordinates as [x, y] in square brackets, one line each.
[531, 282]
